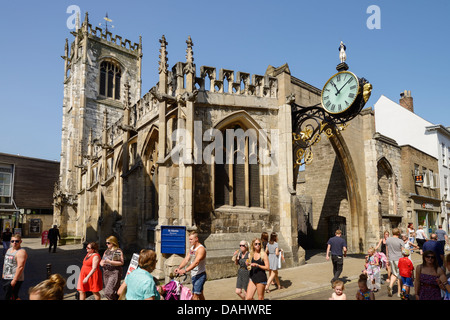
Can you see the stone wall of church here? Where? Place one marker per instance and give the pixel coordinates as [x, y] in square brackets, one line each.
[130, 186]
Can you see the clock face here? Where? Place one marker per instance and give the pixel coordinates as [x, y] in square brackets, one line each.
[340, 92]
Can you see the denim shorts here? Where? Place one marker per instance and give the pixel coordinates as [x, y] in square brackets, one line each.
[407, 281]
[197, 283]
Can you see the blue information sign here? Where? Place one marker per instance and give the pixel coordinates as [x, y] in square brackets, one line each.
[173, 239]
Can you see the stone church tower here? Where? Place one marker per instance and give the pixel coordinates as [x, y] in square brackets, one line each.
[98, 68]
[122, 172]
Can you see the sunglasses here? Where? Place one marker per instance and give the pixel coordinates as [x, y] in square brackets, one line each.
[242, 245]
[108, 242]
[429, 257]
[257, 244]
[15, 241]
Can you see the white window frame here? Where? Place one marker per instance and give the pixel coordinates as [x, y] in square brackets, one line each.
[426, 177]
[3, 170]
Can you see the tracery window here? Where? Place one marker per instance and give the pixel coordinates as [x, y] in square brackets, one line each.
[110, 75]
[237, 182]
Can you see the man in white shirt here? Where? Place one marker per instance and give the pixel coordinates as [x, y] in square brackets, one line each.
[197, 266]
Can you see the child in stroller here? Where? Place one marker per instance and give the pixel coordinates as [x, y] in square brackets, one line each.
[175, 290]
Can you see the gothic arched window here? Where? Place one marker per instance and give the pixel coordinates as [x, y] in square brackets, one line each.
[110, 75]
[237, 182]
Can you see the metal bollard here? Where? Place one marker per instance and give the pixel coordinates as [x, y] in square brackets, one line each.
[49, 270]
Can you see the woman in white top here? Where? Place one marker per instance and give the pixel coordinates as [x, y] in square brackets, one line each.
[411, 232]
[421, 238]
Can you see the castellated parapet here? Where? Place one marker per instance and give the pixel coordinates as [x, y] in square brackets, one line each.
[207, 84]
[122, 178]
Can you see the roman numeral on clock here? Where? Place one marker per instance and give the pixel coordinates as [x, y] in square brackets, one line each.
[351, 95]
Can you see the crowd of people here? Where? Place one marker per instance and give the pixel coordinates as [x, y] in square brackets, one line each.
[428, 279]
[91, 278]
[258, 264]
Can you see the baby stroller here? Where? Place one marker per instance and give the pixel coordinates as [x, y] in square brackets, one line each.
[175, 290]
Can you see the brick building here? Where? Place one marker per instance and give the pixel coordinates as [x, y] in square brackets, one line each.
[26, 193]
[421, 190]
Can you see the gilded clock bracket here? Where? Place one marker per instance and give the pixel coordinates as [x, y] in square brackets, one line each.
[309, 123]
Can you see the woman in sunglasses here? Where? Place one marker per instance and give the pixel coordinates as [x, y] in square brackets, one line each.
[428, 277]
[90, 275]
[112, 262]
[259, 264]
[240, 257]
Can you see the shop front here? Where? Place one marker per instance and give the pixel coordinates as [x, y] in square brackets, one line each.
[427, 214]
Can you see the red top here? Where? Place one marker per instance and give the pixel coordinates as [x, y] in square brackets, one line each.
[405, 267]
[95, 282]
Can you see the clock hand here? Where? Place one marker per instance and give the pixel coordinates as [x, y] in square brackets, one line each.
[334, 85]
[343, 86]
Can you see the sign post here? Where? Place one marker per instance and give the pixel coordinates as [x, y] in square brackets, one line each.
[44, 238]
[133, 264]
[173, 239]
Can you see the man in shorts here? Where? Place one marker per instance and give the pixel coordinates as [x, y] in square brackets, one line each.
[394, 246]
[13, 268]
[197, 266]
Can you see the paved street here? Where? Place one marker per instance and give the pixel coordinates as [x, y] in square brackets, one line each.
[351, 287]
[310, 281]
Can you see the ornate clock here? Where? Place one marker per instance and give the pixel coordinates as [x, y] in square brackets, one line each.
[343, 97]
[340, 92]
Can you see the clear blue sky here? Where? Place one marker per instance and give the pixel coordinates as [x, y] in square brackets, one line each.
[411, 51]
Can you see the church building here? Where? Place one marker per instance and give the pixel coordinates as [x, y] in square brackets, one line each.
[207, 149]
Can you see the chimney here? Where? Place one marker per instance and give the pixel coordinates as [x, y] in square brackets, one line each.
[406, 101]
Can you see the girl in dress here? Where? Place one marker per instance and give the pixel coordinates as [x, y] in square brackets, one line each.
[372, 270]
[90, 275]
[273, 251]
